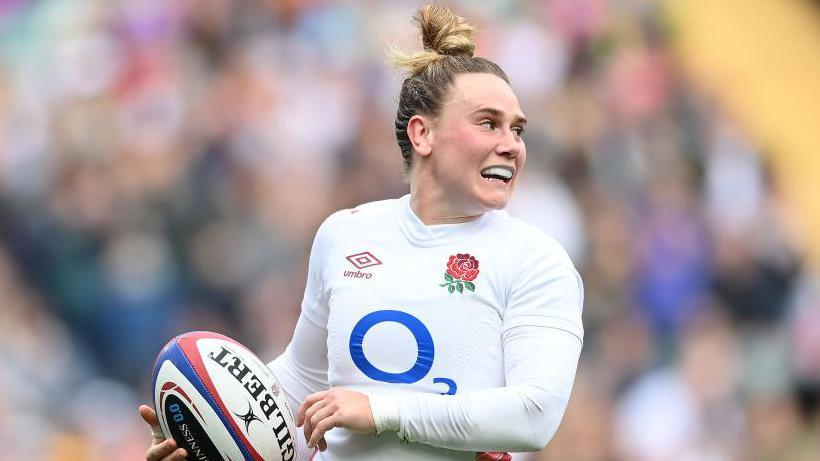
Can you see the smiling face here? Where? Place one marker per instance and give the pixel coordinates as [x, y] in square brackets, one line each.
[476, 151]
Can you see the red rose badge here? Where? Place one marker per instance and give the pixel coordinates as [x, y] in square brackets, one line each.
[462, 269]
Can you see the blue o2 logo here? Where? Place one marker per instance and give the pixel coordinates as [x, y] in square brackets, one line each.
[424, 344]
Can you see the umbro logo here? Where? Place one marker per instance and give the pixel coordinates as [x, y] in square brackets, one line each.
[363, 259]
[360, 261]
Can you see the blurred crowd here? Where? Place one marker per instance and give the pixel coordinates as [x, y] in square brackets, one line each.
[164, 165]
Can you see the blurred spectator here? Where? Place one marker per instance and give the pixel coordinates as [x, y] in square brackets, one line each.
[689, 410]
[163, 166]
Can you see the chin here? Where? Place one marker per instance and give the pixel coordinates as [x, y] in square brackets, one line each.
[494, 203]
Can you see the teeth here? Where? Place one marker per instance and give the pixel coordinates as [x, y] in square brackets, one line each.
[501, 171]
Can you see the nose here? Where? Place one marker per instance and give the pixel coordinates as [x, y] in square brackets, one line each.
[510, 145]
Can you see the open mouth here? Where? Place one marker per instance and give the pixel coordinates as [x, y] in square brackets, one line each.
[500, 173]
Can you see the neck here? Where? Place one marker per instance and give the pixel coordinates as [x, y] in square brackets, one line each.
[433, 208]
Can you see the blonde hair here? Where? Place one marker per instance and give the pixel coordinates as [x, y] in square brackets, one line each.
[448, 51]
[442, 34]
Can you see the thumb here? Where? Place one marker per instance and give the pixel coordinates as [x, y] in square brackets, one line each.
[150, 417]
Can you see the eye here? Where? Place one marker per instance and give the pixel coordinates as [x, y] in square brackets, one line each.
[487, 124]
[519, 130]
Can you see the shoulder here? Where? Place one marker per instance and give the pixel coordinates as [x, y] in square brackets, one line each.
[528, 241]
[534, 260]
[544, 287]
[360, 217]
[350, 225]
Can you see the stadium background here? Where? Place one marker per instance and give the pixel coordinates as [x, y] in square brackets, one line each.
[164, 165]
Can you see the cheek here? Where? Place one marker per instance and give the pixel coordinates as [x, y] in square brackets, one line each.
[467, 141]
[521, 159]
[464, 151]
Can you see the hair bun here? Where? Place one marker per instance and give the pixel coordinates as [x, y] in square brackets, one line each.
[444, 32]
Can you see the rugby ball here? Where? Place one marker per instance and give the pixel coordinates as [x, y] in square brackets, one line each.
[220, 402]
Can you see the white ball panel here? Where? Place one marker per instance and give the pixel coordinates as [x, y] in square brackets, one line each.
[247, 388]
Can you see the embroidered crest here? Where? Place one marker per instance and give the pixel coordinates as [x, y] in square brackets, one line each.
[462, 269]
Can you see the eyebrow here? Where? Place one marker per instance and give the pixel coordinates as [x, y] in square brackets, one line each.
[498, 114]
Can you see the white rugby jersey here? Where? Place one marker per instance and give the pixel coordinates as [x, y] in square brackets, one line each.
[466, 337]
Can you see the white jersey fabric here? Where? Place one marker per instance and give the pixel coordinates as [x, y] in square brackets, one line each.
[484, 366]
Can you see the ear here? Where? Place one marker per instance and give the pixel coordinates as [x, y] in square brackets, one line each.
[420, 132]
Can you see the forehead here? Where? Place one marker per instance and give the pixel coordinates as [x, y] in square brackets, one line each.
[472, 92]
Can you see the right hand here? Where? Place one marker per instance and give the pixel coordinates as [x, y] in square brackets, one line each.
[161, 449]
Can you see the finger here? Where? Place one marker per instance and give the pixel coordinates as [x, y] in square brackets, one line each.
[322, 426]
[315, 408]
[310, 419]
[178, 455]
[313, 418]
[309, 401]
[149, 415]
[161, 451]
[308, 430]
[322, 444]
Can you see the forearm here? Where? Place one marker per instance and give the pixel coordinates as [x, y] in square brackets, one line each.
[522, 416]
[502, 419]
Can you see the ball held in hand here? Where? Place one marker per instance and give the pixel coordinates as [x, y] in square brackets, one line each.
[220, 402]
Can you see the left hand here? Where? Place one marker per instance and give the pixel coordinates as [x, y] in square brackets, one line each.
[335, 407]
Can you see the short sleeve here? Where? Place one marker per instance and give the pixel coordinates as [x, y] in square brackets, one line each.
[546, 290]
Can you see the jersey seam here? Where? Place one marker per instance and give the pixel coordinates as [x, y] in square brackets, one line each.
[547, 326]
